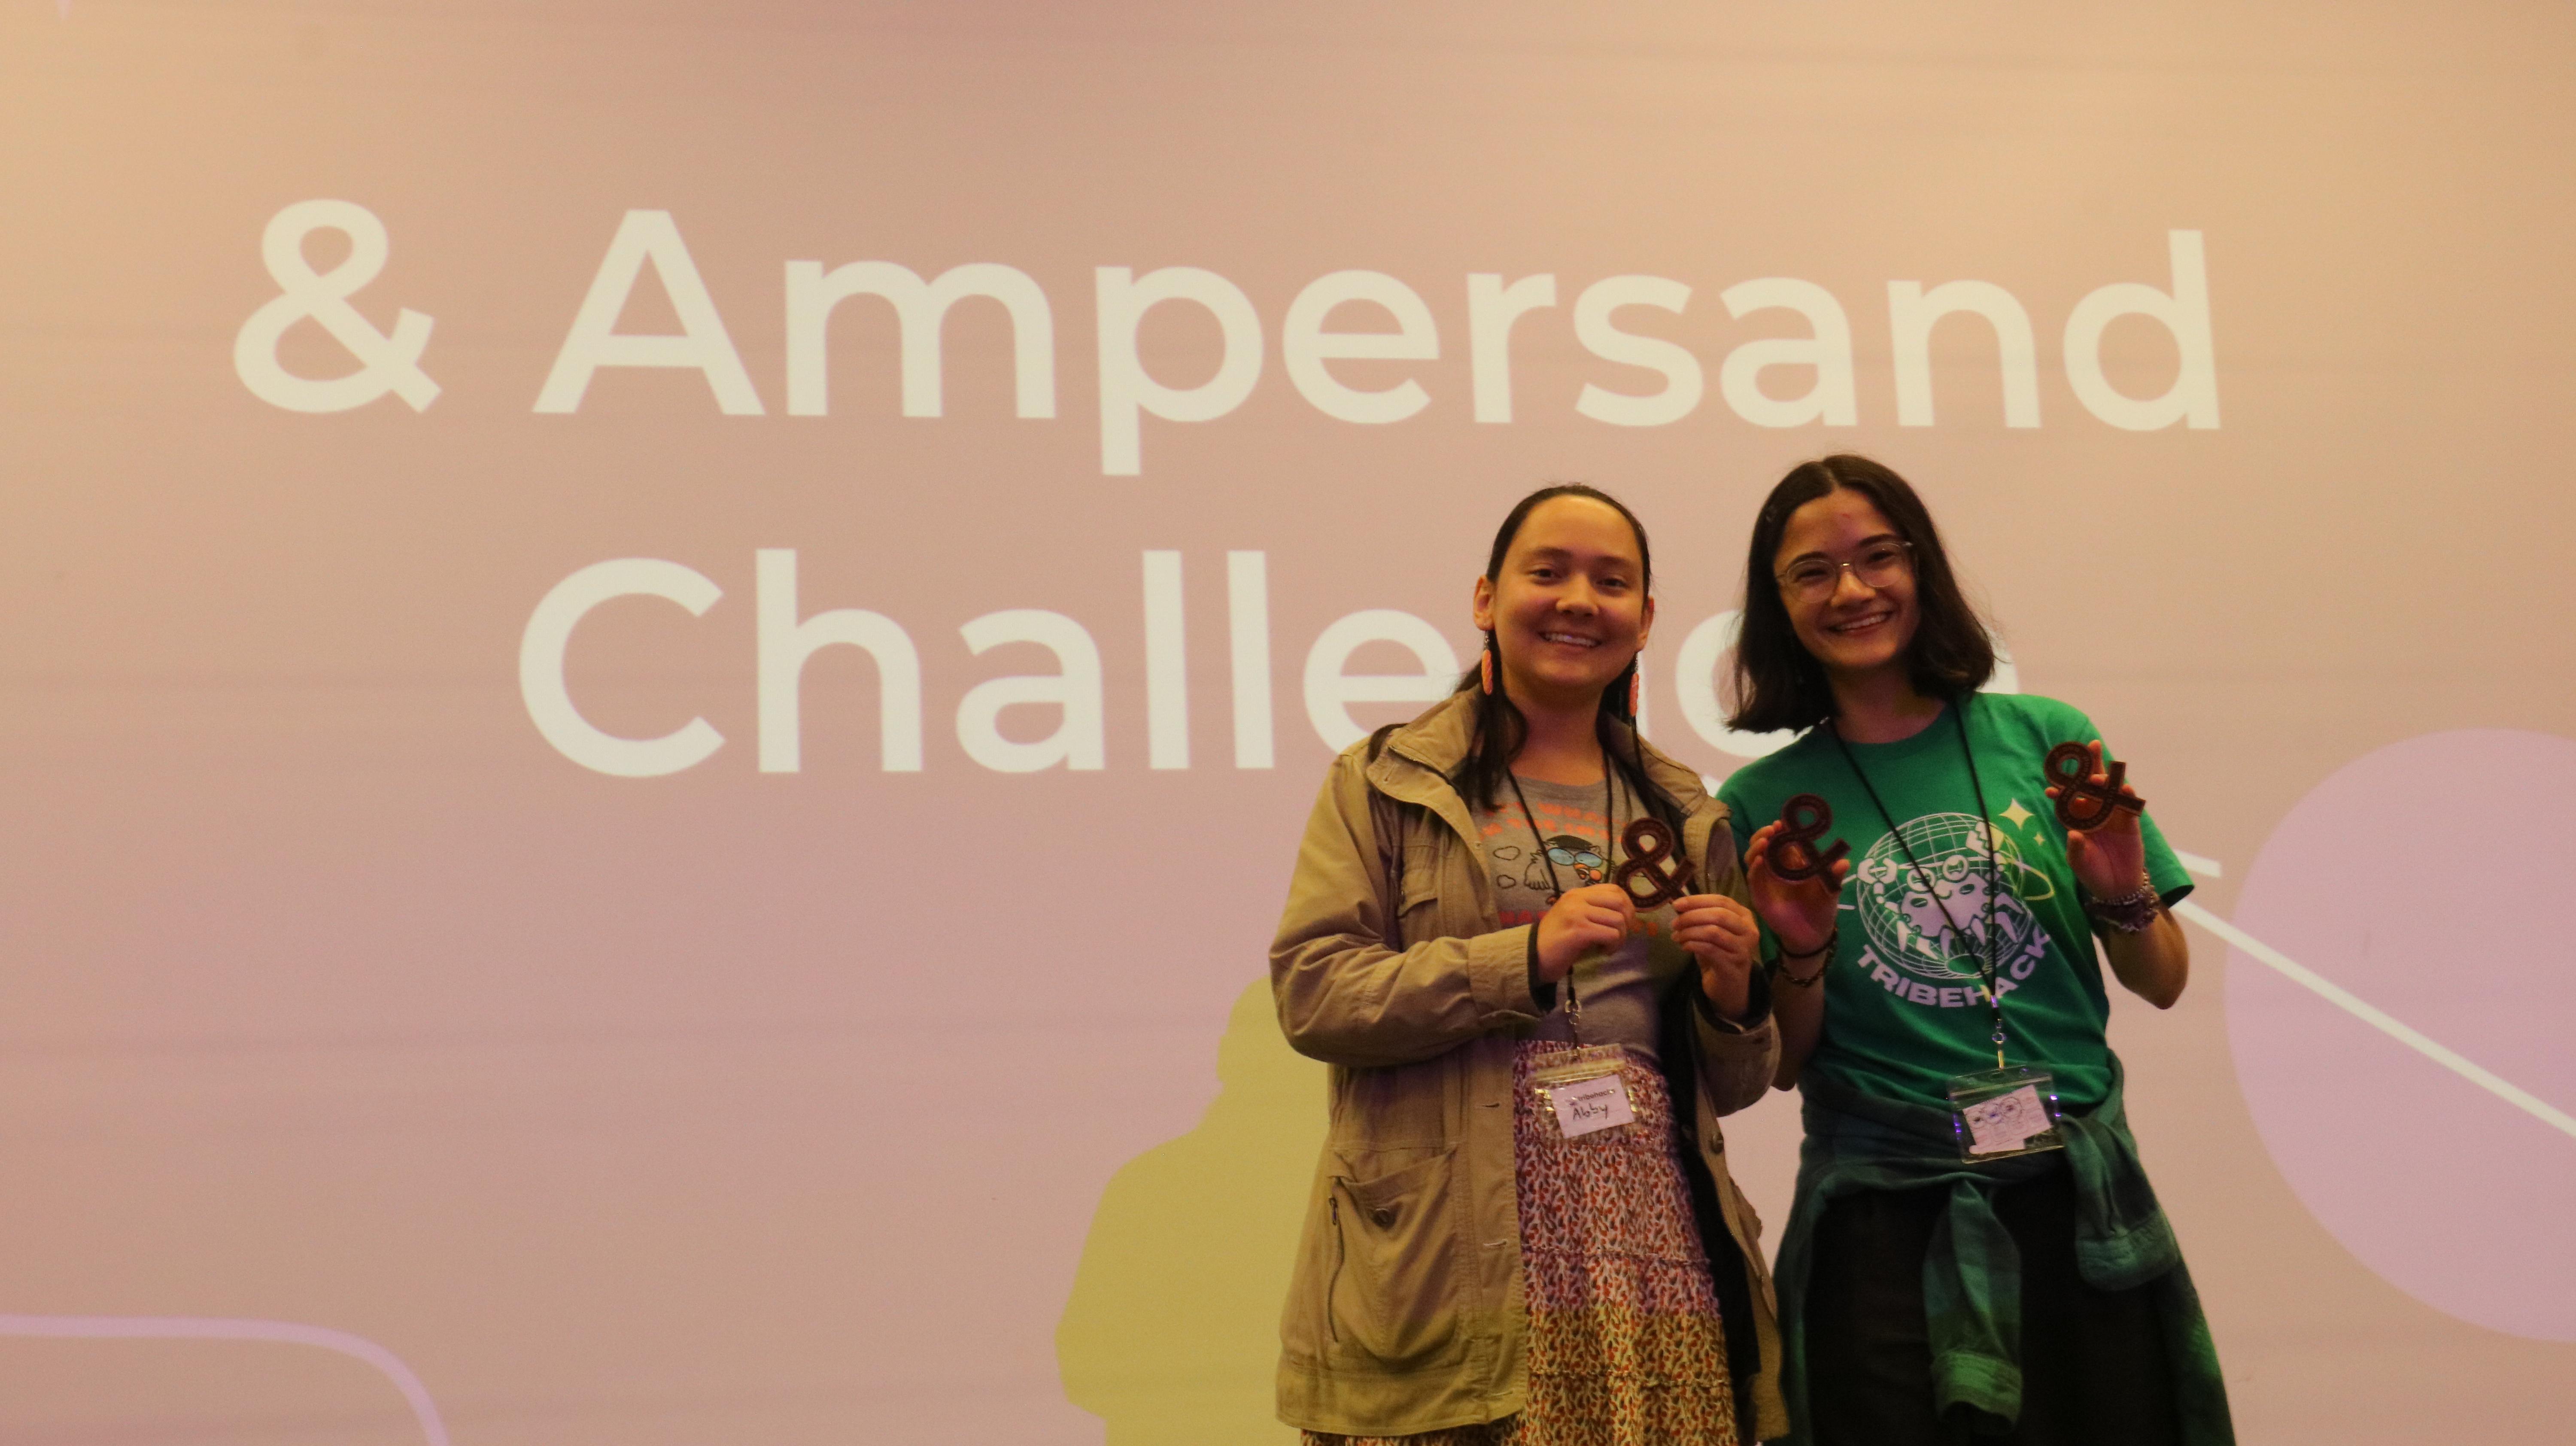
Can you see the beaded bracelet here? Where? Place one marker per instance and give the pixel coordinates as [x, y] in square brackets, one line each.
[2134, 914]
[1822, 953]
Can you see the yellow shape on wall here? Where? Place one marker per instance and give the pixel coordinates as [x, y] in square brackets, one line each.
[1172, 1332]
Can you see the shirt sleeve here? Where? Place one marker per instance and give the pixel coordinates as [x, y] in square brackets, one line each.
[2173, 882]
[1736, 814]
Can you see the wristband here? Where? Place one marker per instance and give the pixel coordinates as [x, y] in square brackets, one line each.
[2133, 914]
[1542, 993]
[1832, 936]
[1823, 954]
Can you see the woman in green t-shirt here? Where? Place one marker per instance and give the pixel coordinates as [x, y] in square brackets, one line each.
[1973, 1247]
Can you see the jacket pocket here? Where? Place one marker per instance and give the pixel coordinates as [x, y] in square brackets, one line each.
[1394, 1297]
[1417, 892]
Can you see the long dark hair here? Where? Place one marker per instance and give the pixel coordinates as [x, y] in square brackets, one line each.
[1778, 683]
[1500, 728]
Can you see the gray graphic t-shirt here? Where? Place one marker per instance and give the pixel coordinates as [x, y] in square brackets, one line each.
[1617, 992]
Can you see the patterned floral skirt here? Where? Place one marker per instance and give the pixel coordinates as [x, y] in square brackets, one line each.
[1625, 1345]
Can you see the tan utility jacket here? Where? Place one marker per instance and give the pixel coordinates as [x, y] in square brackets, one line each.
[1405, 1310]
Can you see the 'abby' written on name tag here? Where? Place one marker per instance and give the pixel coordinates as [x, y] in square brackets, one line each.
[1586, 1106]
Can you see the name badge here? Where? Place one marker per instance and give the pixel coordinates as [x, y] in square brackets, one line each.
[1588, 1106]
[2005, 1112]
[2004, 1122]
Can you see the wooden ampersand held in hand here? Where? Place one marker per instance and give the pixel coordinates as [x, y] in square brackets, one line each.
[2081, 803]
[1793, 852]
[1649, 845]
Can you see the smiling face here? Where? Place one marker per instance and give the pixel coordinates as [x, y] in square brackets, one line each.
[1857, 628]
[1568, 607]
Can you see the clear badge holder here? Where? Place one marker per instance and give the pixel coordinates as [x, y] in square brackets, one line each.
[2000, 1113]
[1587, 1095]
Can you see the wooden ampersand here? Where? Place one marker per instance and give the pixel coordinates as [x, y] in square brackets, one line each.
[1649, 845]
[1793, 852]
[2081, 803]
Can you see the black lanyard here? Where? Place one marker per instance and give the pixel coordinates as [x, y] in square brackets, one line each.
[1555, 885]
[1994, 863]
[1609, 810]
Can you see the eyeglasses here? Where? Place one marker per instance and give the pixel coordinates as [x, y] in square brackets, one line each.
[1813, 579]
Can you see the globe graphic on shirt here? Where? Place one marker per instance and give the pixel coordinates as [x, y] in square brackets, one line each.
[1902, 902]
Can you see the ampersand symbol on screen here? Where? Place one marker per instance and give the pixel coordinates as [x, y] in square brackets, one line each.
[1793, 852]
[2082, 803]
[1649, 844]
[386, 362]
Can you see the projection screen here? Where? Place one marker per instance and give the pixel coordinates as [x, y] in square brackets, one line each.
[662, 660]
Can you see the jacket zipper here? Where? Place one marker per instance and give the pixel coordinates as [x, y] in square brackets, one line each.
[1340, 1250]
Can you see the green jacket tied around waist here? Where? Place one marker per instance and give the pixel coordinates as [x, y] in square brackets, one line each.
[1972, 1272]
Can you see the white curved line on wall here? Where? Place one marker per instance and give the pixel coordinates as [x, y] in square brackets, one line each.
[2361, 1009]
[212, 1328]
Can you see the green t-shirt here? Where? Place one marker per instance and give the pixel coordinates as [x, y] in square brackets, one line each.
[1905, 1002]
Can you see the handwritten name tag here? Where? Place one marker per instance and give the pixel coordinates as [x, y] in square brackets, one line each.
[1586, 1106]
[2005, 1122]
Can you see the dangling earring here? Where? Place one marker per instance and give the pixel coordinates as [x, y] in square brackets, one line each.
[1486, 663]
[1636, 688]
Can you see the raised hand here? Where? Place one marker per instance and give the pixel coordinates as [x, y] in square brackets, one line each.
[1801, 913]
[1591, 920]
[2110, 859]
[1723, 940]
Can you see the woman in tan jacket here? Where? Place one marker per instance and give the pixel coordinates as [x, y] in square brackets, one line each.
[1536, 1007]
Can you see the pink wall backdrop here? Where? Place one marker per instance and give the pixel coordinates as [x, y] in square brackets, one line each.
[368, 970]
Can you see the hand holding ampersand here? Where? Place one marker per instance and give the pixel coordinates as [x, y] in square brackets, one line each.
[1793, 853]
[1582, 922]
[1652, 854]
[2109, 853]
[2087, 796]
[1799, 911]
[1723, 940]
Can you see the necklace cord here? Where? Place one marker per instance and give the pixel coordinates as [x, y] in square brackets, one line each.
[1555, 885]
[1994, 864]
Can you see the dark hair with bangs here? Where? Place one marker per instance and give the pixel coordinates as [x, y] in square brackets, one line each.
[1500, 728]
[1778, 684]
